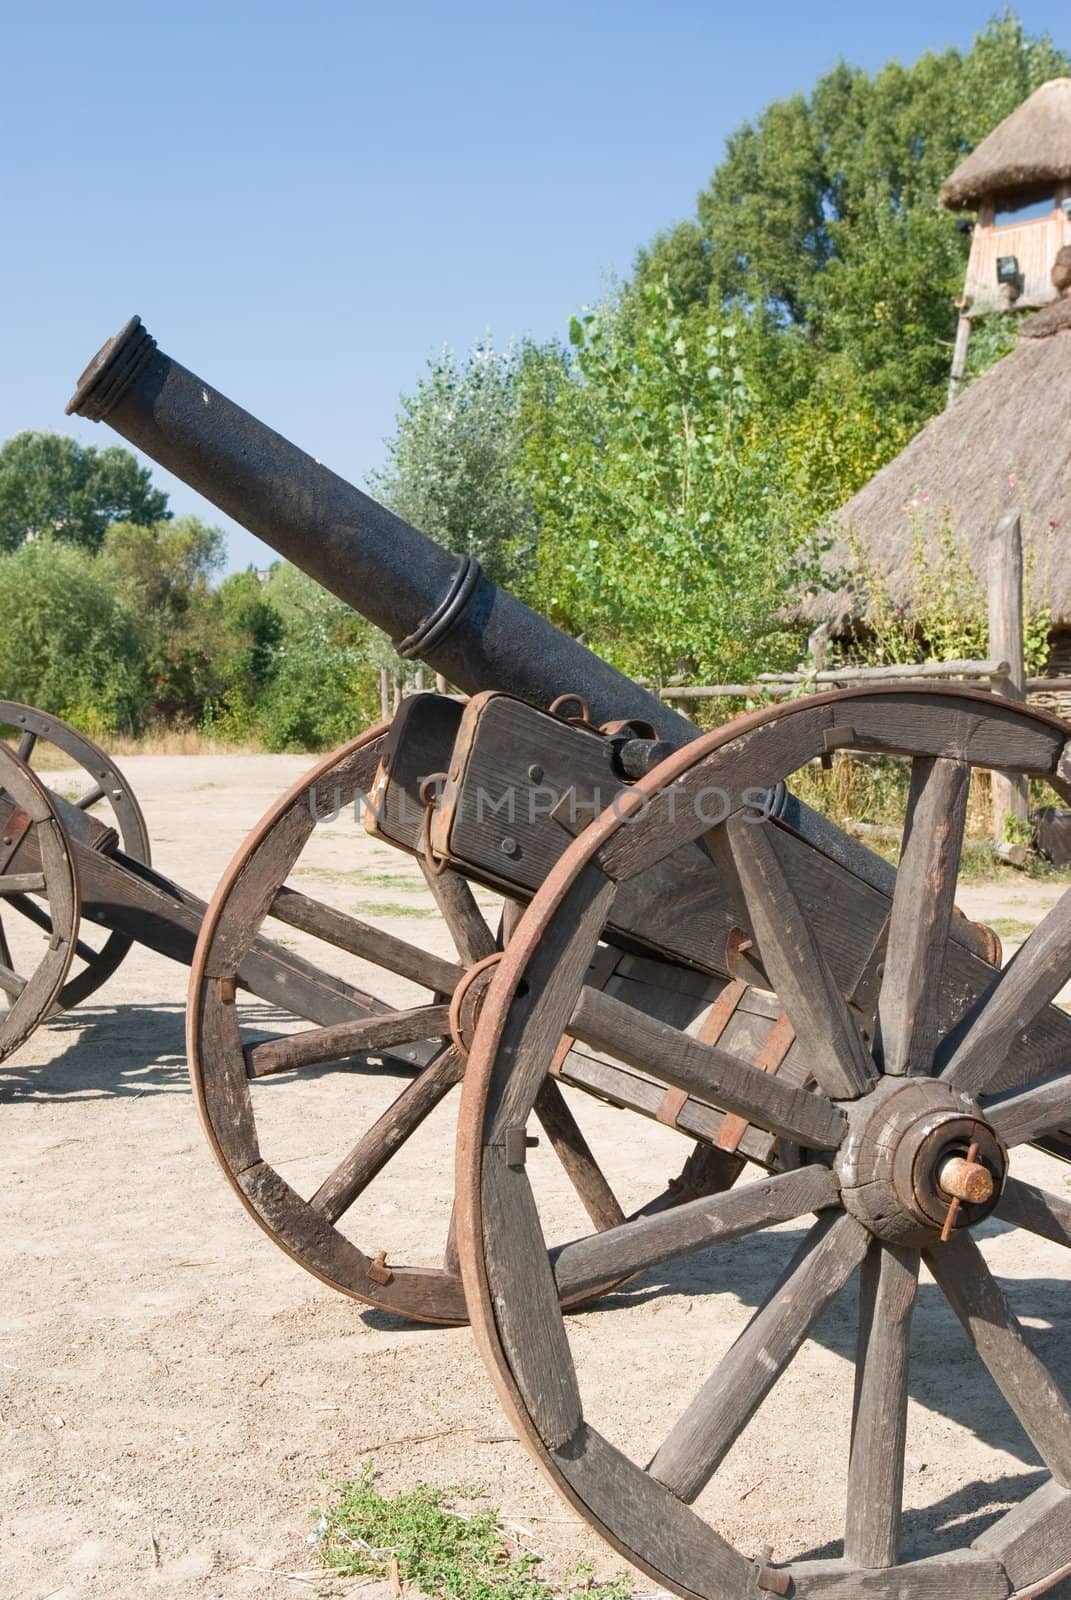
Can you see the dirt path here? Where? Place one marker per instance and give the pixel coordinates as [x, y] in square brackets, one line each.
[176, 1395]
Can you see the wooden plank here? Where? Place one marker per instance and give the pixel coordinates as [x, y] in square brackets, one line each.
[419, 742]
[648, 1525]
[921, 916]
[973, 1055]
[992, 1326]
[1047, 1215]
[887, 1296]
[650, 1241]
[1032, 1541]
[800, 976]
[387, 1134]
[700, 1440]
[315, 1046]
[361, 939]
[705, 1070]
[526, 1305]
[1010, 795]
[636, 1091]
[960, 1575]
[574, 1153]
[1022, 1117]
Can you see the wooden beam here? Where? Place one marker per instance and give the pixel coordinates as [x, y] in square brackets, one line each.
[1010, 794]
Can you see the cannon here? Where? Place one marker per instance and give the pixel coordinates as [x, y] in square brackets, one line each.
[685, 940]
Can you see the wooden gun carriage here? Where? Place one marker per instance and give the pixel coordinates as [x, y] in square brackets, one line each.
[682, 938]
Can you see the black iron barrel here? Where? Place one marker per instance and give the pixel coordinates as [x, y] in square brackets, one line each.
[436, 606]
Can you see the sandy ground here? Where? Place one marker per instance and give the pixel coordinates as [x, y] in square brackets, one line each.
[176, 1395]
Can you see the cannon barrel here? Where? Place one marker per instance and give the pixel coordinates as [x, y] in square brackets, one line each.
[436, 606]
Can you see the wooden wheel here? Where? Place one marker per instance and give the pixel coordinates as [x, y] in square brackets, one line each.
[32, 992]
[106, 796]
[909, 1142]
[252, 1116]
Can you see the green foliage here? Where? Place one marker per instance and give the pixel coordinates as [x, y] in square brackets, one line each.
[821, 224]
[51, 486]
[68, 644]
[442, 1551]
[949, 618]
[323, 686]
[451, 464]
[665, 534]
[161, 575]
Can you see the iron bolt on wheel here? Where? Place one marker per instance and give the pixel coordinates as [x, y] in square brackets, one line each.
[30, 818]
[100, 792]
[917, 1134]
[407, 1047]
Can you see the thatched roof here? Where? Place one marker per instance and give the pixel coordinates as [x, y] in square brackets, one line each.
[1003, 445]
[1031, 146]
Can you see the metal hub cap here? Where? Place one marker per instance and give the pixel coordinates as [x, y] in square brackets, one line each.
[919, 1158]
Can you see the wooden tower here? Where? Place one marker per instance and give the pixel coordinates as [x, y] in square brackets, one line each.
[1018, 184]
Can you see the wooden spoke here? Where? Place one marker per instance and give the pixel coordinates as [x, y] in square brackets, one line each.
[572, 1150]
[888, 1292]
[21, 883]
[829, 1041]
[472, 937]
[1047, 1215]
[10, 982]
[975, 1052]
[1022, 1377]
[702, 1438]
[650, 1241]
[372, 1152]
[361, 939]
[5, 948]
[314, 1046]
[24, 748]
[705, 1070]
[921, 917]
[1020, 1118]
[40, 918]
[90, 798]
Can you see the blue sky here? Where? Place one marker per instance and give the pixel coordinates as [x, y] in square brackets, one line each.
[306, 200]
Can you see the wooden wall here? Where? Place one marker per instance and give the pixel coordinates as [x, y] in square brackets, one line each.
[1034, 244]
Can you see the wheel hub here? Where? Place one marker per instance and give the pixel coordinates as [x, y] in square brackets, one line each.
[919, 1160]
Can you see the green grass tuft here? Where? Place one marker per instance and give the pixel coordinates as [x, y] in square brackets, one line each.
[444, 1552]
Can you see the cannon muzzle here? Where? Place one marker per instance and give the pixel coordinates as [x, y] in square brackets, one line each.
[436, 606]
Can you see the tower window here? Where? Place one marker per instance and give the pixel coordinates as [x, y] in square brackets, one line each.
[1012, 209]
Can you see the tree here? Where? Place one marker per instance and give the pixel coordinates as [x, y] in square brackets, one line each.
[51, 486]
[69, 646]
[162, 575]
[323, 686]
[820, 226]
[451, 464]
[667, 533]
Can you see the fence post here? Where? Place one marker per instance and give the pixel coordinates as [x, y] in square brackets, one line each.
[384, 693]
[1010, 794]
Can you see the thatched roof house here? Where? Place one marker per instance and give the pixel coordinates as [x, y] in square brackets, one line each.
[1003, 445]
[1032, 146]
